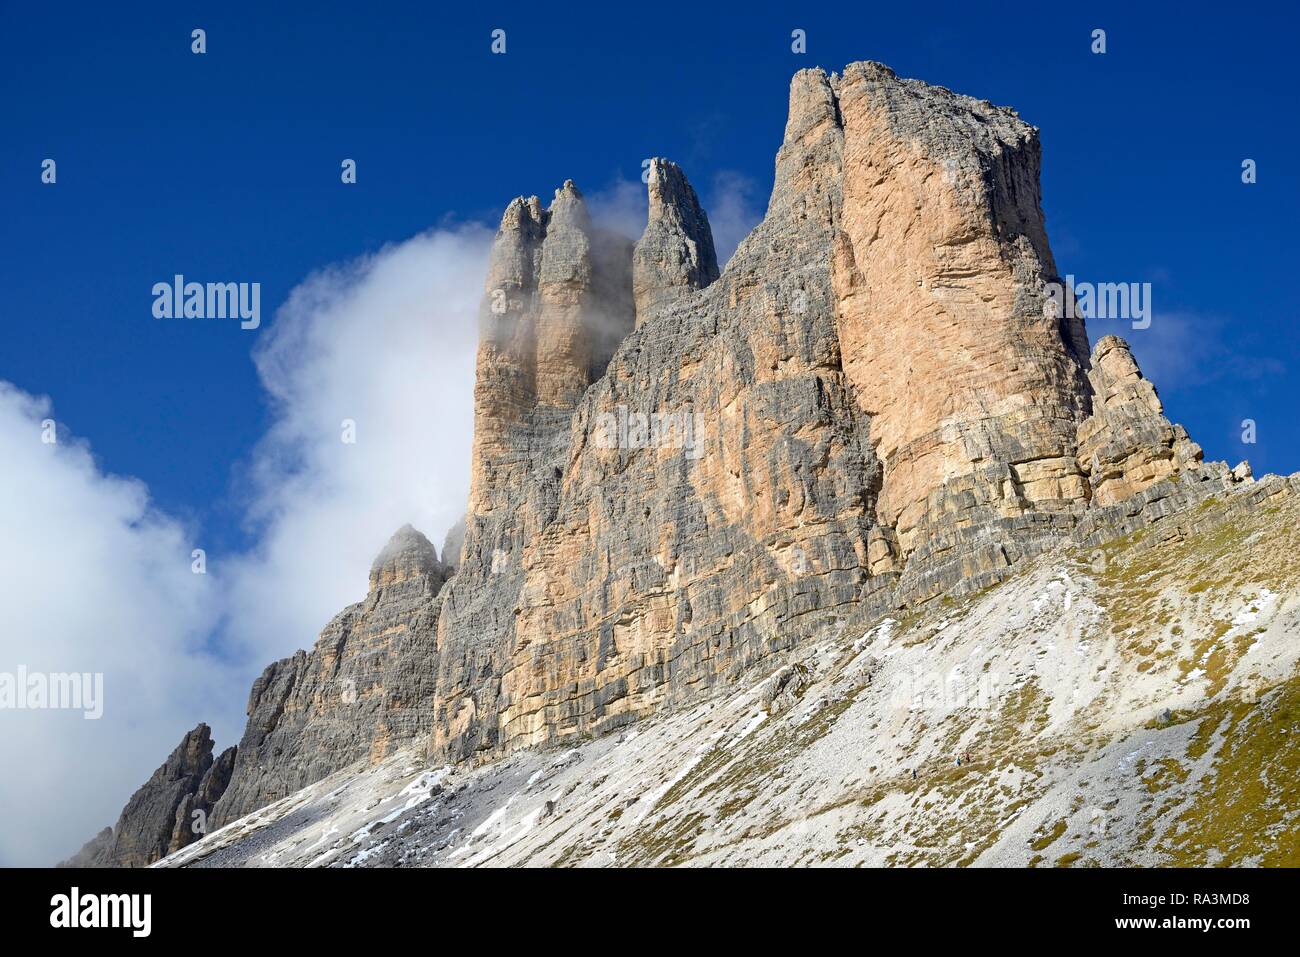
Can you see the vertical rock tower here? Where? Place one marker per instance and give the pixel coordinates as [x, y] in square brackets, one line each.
[674, 256]
[973, 389]
[557, 303]
[883, 409]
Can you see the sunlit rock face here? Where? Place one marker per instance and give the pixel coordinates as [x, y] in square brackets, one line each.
[680, 474]
[873, 405]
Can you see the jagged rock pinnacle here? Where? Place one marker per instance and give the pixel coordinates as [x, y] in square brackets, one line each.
[1127, 444]
[159, 817]
[365, 687]
[675, 255]
[557, 302]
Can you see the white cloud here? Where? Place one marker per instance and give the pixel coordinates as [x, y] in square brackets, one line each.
[621, 207]
[92, 580]
[387, 343]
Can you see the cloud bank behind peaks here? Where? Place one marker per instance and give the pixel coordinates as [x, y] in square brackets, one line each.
[93, 580]
[369, 368]
[370, 372]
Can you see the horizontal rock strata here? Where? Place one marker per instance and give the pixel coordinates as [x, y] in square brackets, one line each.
[874, 405]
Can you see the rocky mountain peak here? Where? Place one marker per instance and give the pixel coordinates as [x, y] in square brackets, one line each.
[407, 555]
[557, 302]
[1127, 445]
[1117, 380]
[884, 412]
[675, 254]
[567, 220]
[679, 475]
[568, 193]
[194, 751]
[366, 685]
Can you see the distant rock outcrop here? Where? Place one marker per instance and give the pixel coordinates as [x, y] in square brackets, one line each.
[160, 817]
[367, 684]
[1127, 444]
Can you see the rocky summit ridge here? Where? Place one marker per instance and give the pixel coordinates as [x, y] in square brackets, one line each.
[681, 475]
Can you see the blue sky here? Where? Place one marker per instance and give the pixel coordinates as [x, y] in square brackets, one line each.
[225, 167]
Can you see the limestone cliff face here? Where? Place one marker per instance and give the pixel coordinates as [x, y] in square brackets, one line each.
[365, 686]
[711, 499]
[675, 255]
[874, 405]
[678, 473]
[194, 814]
[160, 817]
[974, 392]
[1065, 691]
